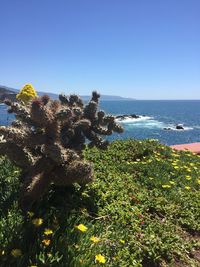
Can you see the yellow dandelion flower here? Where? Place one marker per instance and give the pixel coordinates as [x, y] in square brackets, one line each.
[176, 167]
[198, 181]
[122, 241]
[2, 252]
[166, 186]
[48, 231]
[16, 252]
[100, 258]
[187, 187]
[81, 227]
[46, 242]
[95, 239]
[30, 214]
[37, 221]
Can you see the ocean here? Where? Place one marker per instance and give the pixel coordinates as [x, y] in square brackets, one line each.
[155, 115]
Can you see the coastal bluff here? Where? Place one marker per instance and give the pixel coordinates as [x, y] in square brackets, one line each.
[6, 93]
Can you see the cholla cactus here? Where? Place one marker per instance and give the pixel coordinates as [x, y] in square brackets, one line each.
[47, 138]
[26, 94]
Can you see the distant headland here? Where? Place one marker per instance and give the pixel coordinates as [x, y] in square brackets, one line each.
[10, 93]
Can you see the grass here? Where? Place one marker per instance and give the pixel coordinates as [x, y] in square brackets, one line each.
[143, 209]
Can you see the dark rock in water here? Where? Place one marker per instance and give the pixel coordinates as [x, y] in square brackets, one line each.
[135, 116]
[179, 127]
[131, 116]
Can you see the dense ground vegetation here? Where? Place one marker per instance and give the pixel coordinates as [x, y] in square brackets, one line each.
[143, 209]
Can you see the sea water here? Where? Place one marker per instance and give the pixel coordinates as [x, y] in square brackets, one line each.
[155, 117]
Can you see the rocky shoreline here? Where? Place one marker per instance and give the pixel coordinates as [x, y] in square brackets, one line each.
[130, 116]
[123, 117]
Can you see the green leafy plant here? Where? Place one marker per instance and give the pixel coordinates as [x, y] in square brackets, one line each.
[124, 218]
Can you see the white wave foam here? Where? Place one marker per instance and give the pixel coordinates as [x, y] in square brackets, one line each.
[150, 123]
[197, 127]
[142, 122]
[129, 120]
[173, 128]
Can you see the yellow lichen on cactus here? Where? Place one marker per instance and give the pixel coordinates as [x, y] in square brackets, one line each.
[27, 93]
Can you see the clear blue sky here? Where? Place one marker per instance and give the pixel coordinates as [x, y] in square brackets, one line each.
[145, 49]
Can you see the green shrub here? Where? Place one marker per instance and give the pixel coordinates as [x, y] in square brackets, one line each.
[143, 209]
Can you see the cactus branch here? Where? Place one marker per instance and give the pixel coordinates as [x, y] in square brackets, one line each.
[47, 138]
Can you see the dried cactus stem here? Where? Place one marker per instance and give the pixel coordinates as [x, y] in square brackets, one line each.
[20, 157]
[35, 190]
[48, 138]
[78, 172]
[36, 182]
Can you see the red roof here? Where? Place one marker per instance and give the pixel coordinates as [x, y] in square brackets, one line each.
[193, 147]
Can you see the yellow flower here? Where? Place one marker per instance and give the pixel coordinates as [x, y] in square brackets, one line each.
[48, 231]
[188, 177]
[2, 252]
[16, 252]
[166, 186]
[122, 241]
[37, 221]
[46, 242]
[198, 181]
[95, 239]
[100, 258]
[176, 167]
[30, 214]
[26, 94]
[187, 187]
[81, 227]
